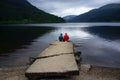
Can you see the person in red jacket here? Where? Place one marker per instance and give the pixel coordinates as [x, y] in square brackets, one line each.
[66, 37]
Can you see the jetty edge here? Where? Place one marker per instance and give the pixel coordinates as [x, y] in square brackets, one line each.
[58, 60]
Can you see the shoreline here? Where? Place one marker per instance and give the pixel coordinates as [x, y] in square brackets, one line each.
[86, 73]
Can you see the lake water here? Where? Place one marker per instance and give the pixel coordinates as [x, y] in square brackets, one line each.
[98, 42]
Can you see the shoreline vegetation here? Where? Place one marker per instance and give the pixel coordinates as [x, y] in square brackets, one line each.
[94, 73]
[14, 37]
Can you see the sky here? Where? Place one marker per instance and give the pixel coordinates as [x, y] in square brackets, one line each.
[63, 8]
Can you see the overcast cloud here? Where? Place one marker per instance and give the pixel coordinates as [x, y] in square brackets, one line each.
[69, 7]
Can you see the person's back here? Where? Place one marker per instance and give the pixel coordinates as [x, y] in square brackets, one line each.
[61, 37]
[66, 37]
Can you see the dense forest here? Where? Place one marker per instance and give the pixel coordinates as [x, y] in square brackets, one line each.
[21, 11]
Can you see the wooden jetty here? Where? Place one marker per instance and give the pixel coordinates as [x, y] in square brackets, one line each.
[56, 60]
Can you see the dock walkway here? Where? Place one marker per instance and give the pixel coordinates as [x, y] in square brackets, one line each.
[56, 60]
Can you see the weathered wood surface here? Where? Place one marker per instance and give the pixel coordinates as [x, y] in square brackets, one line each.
[58, 60]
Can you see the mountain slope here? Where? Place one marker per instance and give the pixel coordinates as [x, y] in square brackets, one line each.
[107, 13]
[69, 17]
[21, 11]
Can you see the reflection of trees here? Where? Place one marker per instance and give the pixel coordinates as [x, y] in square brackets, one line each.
[107, 32]
[15, 37]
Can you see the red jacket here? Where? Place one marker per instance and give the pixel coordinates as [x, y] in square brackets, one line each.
[66, 37]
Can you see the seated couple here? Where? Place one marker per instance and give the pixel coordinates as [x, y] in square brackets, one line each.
[65, 38]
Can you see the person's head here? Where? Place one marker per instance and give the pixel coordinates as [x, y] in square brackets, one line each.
[65, 33]
[61, 34]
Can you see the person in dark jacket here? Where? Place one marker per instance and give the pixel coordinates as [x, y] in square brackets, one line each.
[66, 37]
[61, 37]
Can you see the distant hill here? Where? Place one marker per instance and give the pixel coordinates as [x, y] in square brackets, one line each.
[69, 17]
[21, 11]
[107, 13]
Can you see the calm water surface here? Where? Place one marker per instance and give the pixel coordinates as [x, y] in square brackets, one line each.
[97, 47]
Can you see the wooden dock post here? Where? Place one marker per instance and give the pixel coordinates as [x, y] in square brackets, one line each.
[56, 60]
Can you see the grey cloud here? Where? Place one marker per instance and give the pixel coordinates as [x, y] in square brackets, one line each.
[57, 6]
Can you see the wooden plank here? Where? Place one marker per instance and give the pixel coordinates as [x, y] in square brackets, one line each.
[61, 65]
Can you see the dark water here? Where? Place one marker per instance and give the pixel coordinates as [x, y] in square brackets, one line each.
[99, 43]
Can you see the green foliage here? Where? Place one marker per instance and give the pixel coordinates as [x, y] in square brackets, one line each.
[20, 11]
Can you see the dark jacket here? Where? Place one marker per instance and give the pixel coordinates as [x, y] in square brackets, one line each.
[61, 37]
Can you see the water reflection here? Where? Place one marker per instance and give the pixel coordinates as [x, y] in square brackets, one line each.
[76, 32]
[107, 32]
[12, 38]
[103, 49]
[96, 49]
[100, 52]
[68, 24]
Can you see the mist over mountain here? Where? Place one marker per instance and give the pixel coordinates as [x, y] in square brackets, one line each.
[69, 17]
[21, 11]
[107, 13]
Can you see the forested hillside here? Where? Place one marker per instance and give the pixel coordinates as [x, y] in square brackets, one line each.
[107, 13]
[21, 11]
